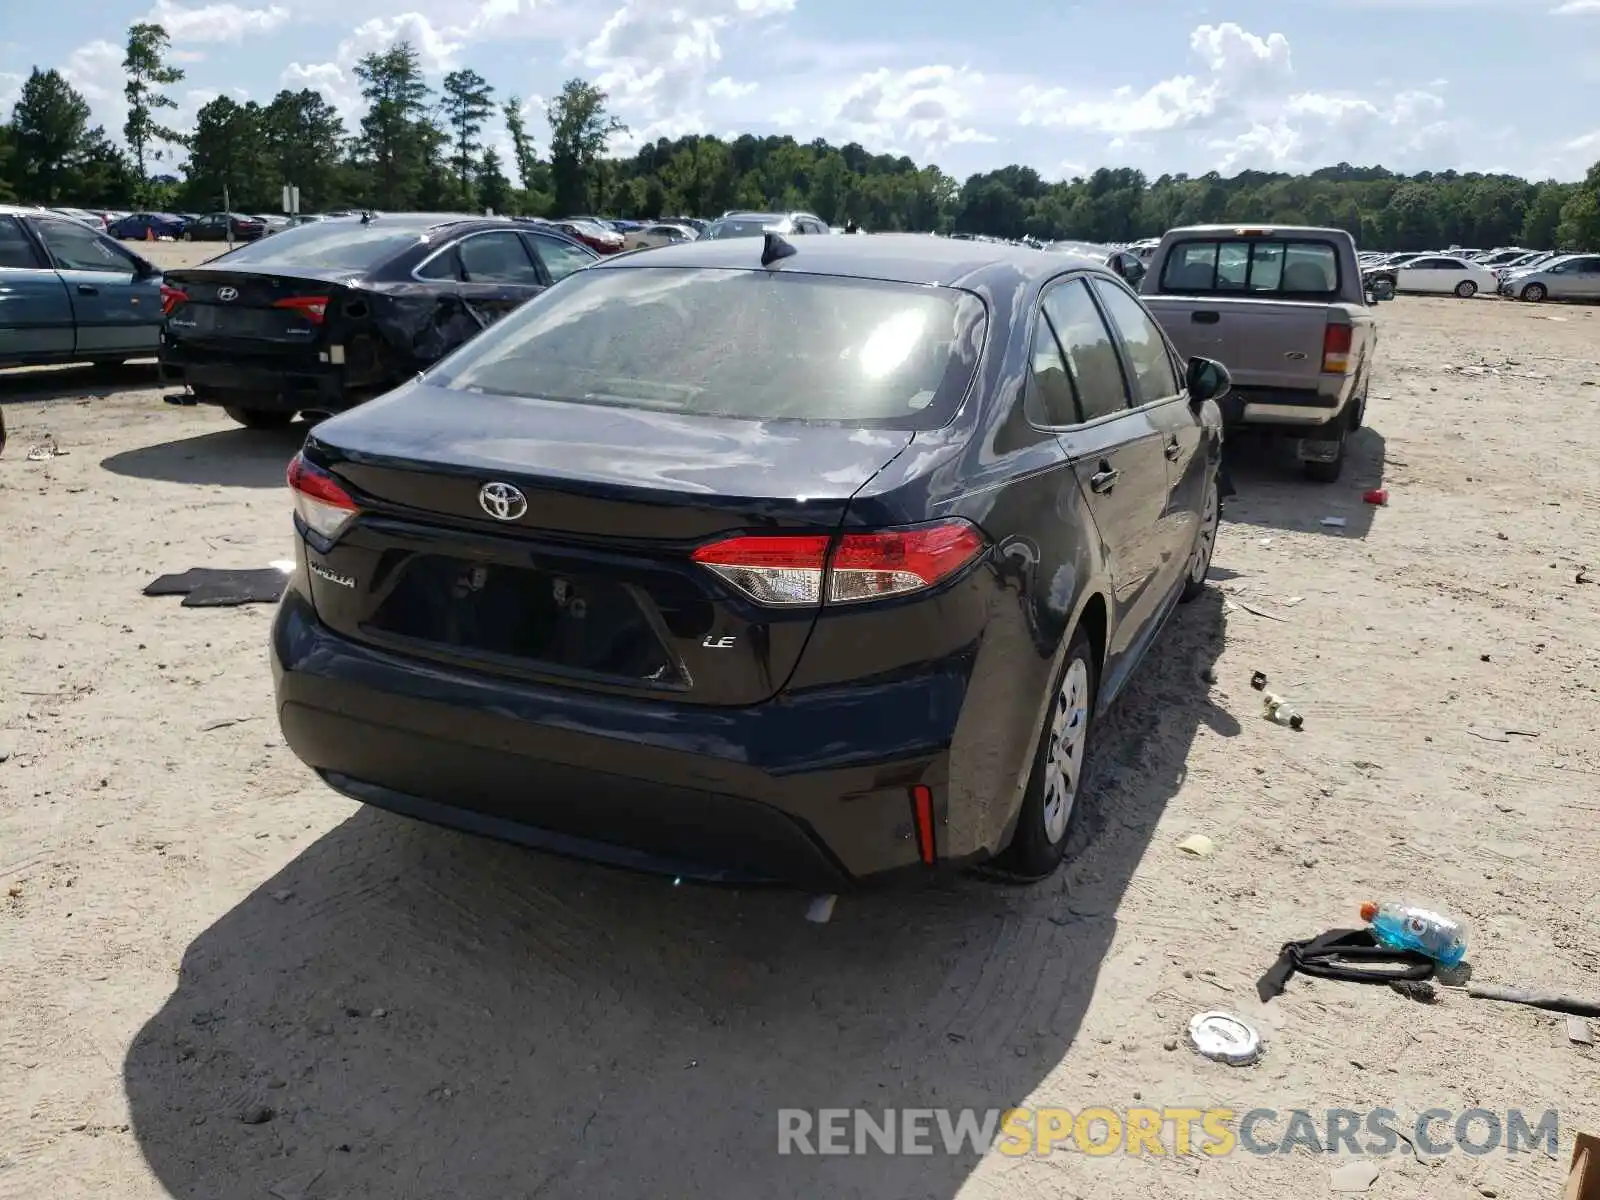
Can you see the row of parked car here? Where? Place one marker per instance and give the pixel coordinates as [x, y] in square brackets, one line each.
[1533, 275]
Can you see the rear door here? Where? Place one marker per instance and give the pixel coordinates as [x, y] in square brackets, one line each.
[1583, 278]
[116, 306]
[1116, 453]
[1158, 389]
[35, 311]
[498, 273]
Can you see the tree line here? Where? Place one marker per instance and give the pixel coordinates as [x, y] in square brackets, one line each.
[420, 148]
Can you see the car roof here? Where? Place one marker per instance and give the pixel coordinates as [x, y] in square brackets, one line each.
[900, 257]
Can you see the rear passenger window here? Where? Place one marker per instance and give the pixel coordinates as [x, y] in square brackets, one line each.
[1147, 348]
[1051, 401]
[15, 248]
[496, 258]
[1091, 354]
[1254, 266]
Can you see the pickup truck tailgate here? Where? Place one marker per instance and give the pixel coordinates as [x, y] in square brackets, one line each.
[1274, 344]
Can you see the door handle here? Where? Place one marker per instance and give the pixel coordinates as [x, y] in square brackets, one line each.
[1103, 480]
[1203, 317]
[88, 289]
[1173, 450]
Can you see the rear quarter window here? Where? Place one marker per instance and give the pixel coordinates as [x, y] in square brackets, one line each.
[1294, 267]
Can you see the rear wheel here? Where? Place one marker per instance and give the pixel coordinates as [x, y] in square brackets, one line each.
[1466, 289]
[1327, 470]
[1534, 292]
[1054, 787]
[1205, 542]
[259, 418]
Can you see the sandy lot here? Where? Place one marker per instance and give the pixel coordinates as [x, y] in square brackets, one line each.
[220, 979]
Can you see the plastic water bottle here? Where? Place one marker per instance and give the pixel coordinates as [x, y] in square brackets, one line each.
[1401, 925]
[1280, 710]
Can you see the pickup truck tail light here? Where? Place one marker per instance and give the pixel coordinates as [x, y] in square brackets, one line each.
[1336, 349]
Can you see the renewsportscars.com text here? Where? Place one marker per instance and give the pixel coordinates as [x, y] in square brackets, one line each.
[1212, 1132]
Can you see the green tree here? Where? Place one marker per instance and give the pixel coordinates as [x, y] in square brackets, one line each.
[494, 189]
[521, 144]
[1580, 215]
[580, 130]
[8, 152]
[393, 144]
[227, 156]
[148, 72]
[48, 124]
[468, 101]
[302, 139]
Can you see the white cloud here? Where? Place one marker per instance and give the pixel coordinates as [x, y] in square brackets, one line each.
[659, 66]
[437, 51]
[728, 88]
[1574, 8]
[216, 22]
[10, 90]
[922, 110]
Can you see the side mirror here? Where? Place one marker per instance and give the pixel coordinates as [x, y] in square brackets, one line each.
[1207, 379]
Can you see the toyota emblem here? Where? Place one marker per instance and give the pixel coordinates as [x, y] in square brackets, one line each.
[502, 501]
[227, 294]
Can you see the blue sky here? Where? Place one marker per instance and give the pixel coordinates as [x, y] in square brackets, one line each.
[1163, 85]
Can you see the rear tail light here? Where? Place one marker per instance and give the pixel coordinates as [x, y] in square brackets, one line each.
[798, 570]
[312, 308]
[171, 297]
[1336, 341]
[319, 499]
[922, 817]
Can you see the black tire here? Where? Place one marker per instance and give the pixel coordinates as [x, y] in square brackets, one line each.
[259, 418]
[1205, 542]
[1535, 293]
[1466, 289]
[1033, 853]
[1325, 472]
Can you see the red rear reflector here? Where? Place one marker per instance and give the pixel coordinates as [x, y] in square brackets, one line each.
[1336, 341]
[319, 499]
[922, 813]
[310, 307]
[865, 566]
[171, 297]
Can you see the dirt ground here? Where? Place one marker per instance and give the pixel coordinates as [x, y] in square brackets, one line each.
[220, 979]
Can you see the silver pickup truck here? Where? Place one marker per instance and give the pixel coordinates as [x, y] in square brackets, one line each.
[1284, 308]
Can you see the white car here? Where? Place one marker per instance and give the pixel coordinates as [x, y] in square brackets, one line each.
[1442, 275]
[658, 235]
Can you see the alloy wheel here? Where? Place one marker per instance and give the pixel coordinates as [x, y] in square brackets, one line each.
[1205, 541]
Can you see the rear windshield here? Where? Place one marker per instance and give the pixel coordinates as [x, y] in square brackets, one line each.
[338, 245]
[746, 344]
[1252, 266]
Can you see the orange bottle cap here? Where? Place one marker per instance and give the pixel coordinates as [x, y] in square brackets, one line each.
[1368, 910]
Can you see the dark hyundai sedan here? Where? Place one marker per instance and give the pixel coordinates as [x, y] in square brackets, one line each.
[326, 315]
[755, 560]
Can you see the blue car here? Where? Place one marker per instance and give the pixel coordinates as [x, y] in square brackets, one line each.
[139, 226]
[71, 294]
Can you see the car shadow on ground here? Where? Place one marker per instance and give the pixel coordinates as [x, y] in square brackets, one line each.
[1274, 492]
[404, 1011]
[234, 457]
[80, 382]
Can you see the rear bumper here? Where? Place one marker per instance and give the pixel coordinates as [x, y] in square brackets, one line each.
[1268, 409]
[811, 789]
[220, 376]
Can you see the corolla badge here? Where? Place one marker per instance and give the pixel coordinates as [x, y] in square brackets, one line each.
[227, 294]
[502, 501]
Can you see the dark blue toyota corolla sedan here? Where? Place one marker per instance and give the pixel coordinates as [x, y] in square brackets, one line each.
[755, 560]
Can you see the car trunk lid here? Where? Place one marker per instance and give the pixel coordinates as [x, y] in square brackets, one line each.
[232, 304]
[588, 579]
